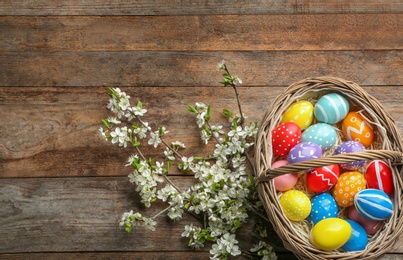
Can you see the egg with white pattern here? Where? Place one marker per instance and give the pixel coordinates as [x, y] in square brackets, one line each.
[321, 134]
[331, 108]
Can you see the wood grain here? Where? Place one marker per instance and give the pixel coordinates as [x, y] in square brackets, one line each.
[82, 214]
[202, 32]
[164, 68]
[177, 7]
[53, 131]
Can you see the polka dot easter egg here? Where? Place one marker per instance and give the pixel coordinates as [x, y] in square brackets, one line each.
[323, 178]
[300, 112]
[356, 128]
[331, 108]
[323, 206]
[295, 204]
[284, 137]
[321, 134]
[304, 151]
[348, 185]
[350, 147]
[379, 176]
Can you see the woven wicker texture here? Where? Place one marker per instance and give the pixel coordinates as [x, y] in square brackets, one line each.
[388, 146]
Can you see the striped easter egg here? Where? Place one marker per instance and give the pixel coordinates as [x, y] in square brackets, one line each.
[373, 204]
[331, 108]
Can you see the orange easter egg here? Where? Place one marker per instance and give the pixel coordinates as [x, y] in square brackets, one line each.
[356, 128]
[349, 184]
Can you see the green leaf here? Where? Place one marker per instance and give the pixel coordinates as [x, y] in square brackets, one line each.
[208, 114]
[227, 113]
[192, 109]
[105, 122]
[139, 104]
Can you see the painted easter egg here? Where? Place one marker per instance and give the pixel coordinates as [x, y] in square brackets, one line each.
[358, 239]
[373, 204]
[299, 112]
[284, 137]
[286, 181]
[304, 151]
[322, 206]
[331, 108]
[356, 128]
[323, 178]
[346, 188]
[321, 134]
[371, 226]
[295, 204]
[350, 147]
[379, 176]
[330, 233]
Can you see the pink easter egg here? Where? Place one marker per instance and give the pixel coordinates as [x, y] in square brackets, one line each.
[286, 181]
[370, 226]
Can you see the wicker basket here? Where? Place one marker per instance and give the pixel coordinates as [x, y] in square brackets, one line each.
[388, 147]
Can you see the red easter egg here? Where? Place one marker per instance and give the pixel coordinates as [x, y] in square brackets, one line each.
[379, 176]
[284, 137]
[323, 178]
[370, 226]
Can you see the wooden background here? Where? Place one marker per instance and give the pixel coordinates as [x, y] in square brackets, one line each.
[63, 189]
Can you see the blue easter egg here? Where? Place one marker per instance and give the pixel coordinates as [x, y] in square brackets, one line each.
[373, 204]
[331, 108]
[321, 134]
[322, 206]
[358, 239]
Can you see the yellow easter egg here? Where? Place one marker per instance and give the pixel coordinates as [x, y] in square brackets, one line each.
[330, 233]
[295, 204]
[299, 112]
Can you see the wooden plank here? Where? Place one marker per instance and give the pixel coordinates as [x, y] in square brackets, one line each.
[203, 33]
[82, 214]
[182, 68]
[145, 256]
[48, 131]
[177, 7]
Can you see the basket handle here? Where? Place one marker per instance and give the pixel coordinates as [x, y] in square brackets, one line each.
[395, 156]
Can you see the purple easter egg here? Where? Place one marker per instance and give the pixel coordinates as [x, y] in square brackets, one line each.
[350, 147]
[304, 151]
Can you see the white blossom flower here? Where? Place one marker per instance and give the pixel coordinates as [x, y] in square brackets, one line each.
[126, 218]
[169, 154]
[114, 120]
[154, 139]
[159, 167]
[236, 80]
[200, 119]
[131, 159]
[217, 130]
[237, 160]
[141, 131]
[149, 223]
[119, 135]
[177, 145]
[220, 65]
[205, 136]
[102, 133]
